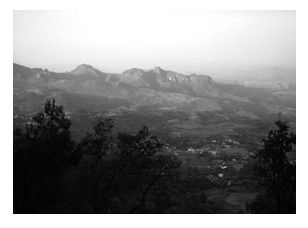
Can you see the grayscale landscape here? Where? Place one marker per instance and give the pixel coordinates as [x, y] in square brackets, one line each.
[192, 138]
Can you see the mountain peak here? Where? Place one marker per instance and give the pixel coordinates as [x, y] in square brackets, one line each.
[158, 70]
[84, 69]
[134, 71]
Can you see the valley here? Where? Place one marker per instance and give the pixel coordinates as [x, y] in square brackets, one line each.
[212, 127]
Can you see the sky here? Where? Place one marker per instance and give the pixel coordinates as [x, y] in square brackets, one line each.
[187, 41]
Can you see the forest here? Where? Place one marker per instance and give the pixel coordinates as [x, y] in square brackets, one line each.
[122, 173]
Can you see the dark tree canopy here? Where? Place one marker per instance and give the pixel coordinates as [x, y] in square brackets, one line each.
[121, 172]
[277, 175]
[41, 155]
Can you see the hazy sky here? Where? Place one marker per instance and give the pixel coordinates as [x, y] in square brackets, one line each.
[184, 41]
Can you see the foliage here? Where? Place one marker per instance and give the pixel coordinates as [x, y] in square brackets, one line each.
[103, 173]
[108, 172]
[277, 175]
[41, 155]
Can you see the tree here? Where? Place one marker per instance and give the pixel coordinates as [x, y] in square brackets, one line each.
[41, 155]
[146, 165]
[276, 174]
[117, 174]
[103, 173]
[101, 141]
[98, 166]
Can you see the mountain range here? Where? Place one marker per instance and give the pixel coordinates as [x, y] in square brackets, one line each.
[87, 88]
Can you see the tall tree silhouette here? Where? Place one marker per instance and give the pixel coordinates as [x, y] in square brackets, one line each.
[117, 174]
[146, 166]
[277, 176]
[41, 155]
[96, 171]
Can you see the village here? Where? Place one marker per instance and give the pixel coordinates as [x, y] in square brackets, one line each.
[221, 160]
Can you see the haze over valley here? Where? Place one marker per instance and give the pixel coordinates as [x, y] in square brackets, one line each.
[167, 99]
[98, 128]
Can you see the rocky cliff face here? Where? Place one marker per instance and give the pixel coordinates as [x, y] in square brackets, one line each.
[169, 81]
[135, 87]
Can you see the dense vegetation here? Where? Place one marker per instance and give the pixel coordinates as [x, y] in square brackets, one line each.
[276, 174]
[126, 173]
[102, 173]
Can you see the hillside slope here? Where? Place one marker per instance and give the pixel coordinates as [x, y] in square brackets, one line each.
[157, 88]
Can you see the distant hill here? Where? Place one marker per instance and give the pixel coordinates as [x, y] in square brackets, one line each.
[163, 89]
[259, 77]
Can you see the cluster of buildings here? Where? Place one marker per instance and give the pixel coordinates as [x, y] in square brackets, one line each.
[211, 158]
[214, 146]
